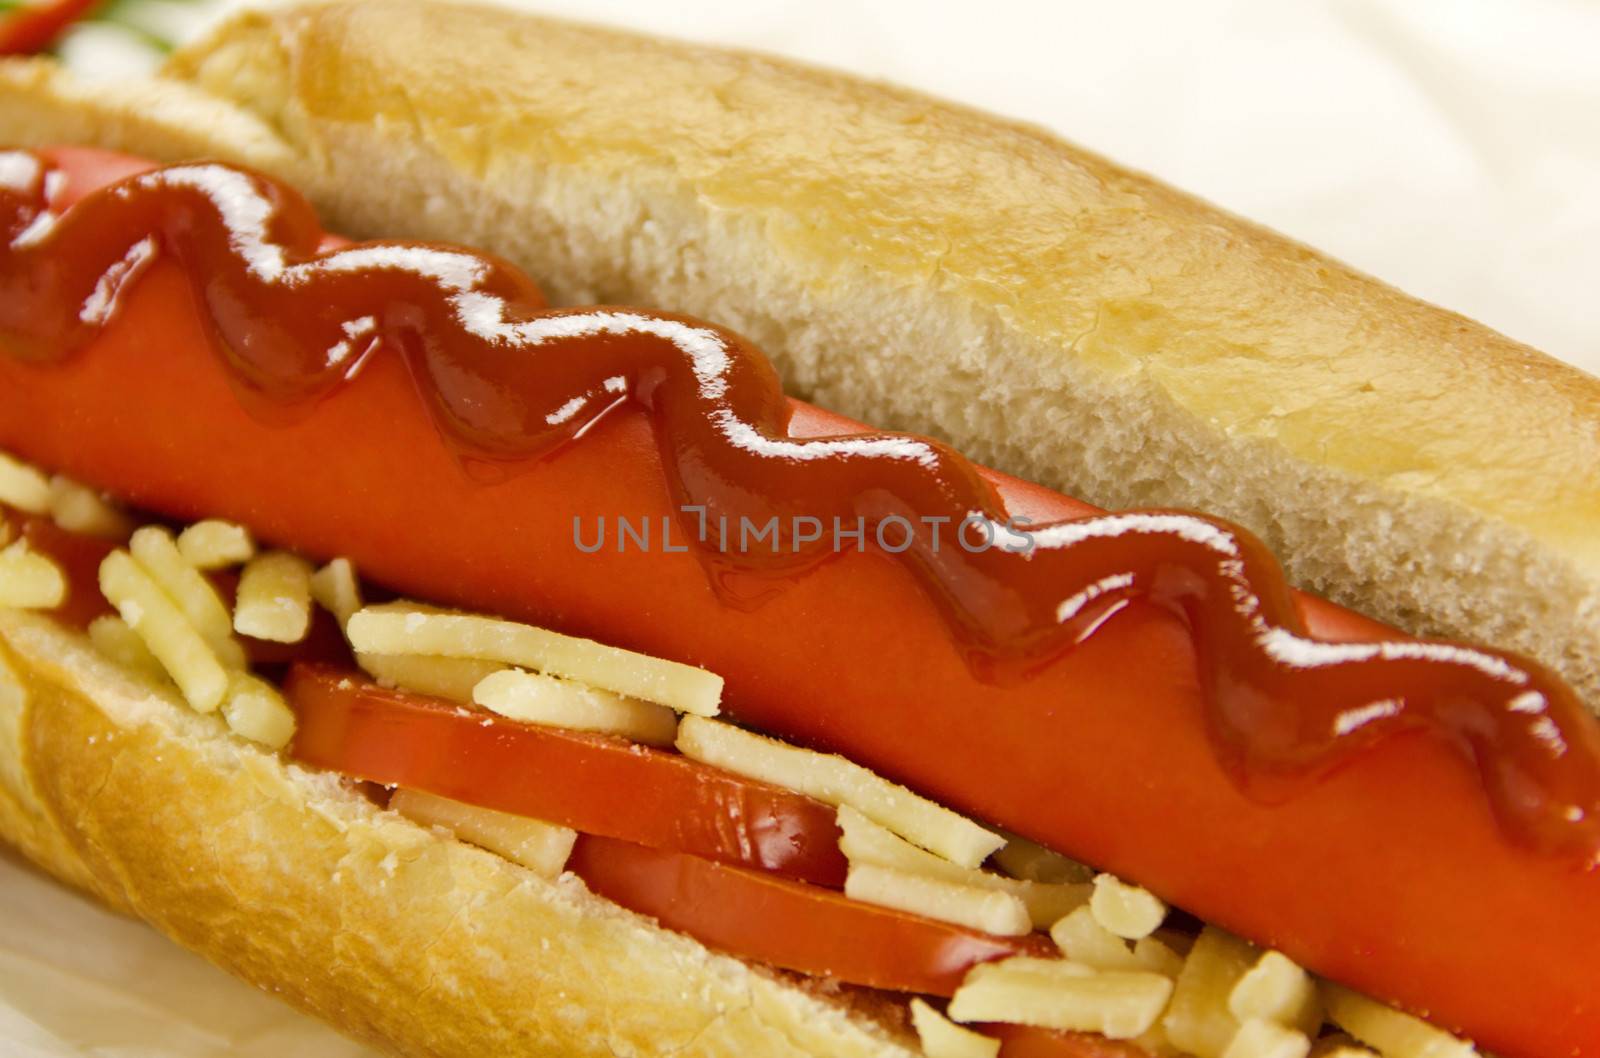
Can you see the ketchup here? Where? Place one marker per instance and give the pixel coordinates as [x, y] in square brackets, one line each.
[508, 381]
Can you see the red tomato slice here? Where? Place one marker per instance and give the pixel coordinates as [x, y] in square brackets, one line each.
[34, 27]
[789, 924]
[592, 783]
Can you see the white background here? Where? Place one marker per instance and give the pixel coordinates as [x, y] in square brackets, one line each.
[1451, 147]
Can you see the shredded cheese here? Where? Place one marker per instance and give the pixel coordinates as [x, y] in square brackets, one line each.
[541, 847]
[863, 841]
[837, 781]
[1276, 989]
[1392, 1033]
[942, 1038]
[985, 910]
[216, 544]
[23, 487]
[153, 548]
[1199, 1020]
[1083, 939]
[408, 629]
[274, 598]
[79, 509]
[1126, 910]
[337, 590]
[256, 710]
[29, 580]
[152, 614]
[540, 699]
[451, 678]
[1055, 994]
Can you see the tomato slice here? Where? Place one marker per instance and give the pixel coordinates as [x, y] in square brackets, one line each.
[592, 783]
[34, 27]
[790, 924]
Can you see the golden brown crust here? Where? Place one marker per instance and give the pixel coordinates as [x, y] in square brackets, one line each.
[25, 819]
[397, 934]
[923, 266]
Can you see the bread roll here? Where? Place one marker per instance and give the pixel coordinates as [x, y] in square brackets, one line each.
[910, 263]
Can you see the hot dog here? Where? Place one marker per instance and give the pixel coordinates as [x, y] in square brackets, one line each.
[1099, 748]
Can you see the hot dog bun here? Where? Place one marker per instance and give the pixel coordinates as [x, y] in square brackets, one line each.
[1094, 331]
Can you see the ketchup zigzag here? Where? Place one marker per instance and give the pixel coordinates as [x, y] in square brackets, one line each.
[508, 379]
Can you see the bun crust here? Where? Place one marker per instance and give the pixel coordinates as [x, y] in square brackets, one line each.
[924, 267]
[397, 934]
